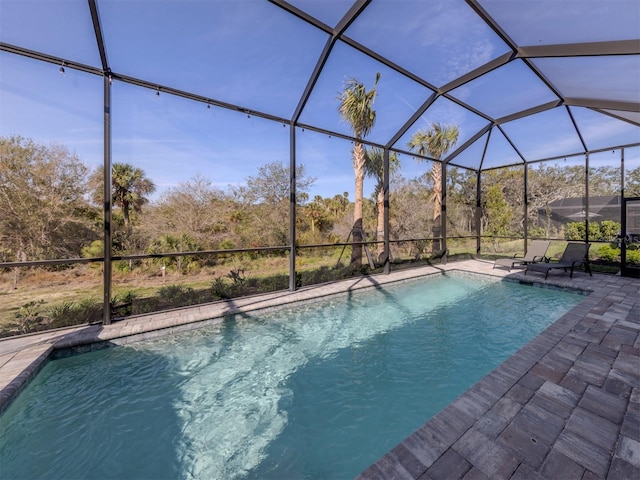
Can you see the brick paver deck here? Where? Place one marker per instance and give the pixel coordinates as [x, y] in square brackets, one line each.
[566, 406]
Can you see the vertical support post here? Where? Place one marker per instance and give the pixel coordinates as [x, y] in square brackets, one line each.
[526, 206]
[586, 197]
[623, 219]
[106, 270]
[478, 212]
[621, 173]
[386, 227]
[292, 207]
[443, 211]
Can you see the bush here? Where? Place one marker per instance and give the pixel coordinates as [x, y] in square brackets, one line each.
[177, 295]
[633, 257]
[62, 312]
[605, 232]
[608, 253]
[122, 266]
[123, 303]
[273, 283]
[609, 230]
[29, 315]
[537, 232]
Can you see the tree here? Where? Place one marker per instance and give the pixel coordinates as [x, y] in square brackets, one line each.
[548, 183]
[507, 183]
[374, 167]
[272, 185]
[266, 200]
[496, 214]
[411, 213]
[43, 214]
[632, 183]
[316, 211]
[129, 189]
[167, 243]
[194, 208]
[338, 204]
[461, 201]
[604, 180]
[435, 143]
[356, 109]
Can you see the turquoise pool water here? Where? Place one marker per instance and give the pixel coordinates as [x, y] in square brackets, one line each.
[317, 391]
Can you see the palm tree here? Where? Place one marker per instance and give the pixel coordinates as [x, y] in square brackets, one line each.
[374, 167]
[435, 143]
[316, 211]
[356, 109]
[129, 188]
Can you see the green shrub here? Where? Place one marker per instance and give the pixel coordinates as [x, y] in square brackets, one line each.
[122, 266]
[122, 304]
[29, 315]
[609, 230]
[537, 232]
[608, 253]
[633, 257]
[62, 312]
[88, 310]
[177, 295]
[237, 277]
[219, 289]
[273, 283]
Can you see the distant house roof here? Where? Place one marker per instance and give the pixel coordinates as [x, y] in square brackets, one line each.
[600, 208]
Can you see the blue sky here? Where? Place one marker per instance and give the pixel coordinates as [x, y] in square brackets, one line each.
[253, 54]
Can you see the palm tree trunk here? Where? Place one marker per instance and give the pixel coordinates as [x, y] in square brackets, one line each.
[358, 168]
[380, 222]
[436, 176]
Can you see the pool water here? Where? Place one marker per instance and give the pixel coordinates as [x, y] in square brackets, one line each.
[316, 391]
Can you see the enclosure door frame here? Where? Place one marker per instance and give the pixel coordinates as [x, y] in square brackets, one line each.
[627, 237]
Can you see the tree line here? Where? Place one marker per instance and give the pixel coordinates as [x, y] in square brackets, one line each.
[51, 205]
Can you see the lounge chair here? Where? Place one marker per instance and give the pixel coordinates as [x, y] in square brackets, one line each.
[535, 253]
[574, 255]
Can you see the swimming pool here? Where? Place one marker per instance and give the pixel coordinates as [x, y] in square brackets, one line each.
[315, 391]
